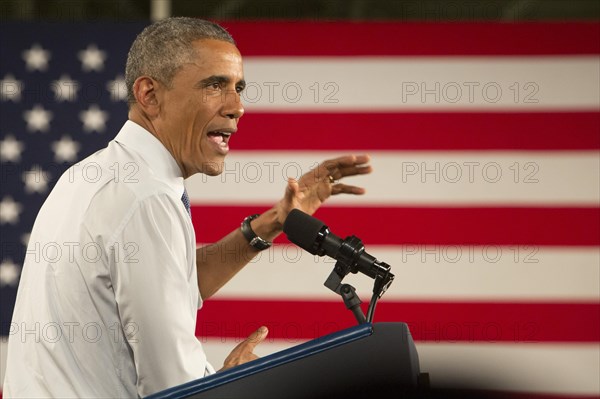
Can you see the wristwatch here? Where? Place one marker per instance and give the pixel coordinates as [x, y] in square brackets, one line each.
[254, 240]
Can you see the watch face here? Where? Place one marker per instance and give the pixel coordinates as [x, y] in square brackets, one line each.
[254, 240]
[259, 243]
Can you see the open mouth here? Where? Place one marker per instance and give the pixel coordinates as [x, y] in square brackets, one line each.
[220, 140]
[219, 137]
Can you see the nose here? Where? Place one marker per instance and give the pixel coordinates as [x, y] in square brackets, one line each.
[232, 105]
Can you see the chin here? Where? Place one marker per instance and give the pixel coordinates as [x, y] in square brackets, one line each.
[212, 168]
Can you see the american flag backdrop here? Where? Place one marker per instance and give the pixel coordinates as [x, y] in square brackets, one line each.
[484, 199]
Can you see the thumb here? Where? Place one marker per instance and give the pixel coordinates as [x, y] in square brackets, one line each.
[256, 338]
[292, 189]
[244, 351]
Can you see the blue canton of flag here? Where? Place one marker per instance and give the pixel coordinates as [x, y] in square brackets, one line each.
[62, 97]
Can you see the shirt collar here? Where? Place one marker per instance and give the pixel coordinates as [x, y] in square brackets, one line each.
[153, 152]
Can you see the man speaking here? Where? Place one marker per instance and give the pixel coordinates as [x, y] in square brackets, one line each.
[117, 305]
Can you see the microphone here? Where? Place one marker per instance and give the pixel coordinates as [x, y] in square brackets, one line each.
[314, 236]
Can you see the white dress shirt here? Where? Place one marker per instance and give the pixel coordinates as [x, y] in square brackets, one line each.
[108, 296]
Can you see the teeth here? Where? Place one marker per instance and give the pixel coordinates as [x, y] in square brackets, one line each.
[225, 134]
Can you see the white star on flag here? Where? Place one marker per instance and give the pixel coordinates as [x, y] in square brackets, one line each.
[94, 119]
[92, 58]
[9, 211]
[10, 88]
[117, 88]
[65, 150]
[25, 239]
[10, 149]
[36, 180]
[65, 88]
[38, 119]
[9, 273]
[36, 58]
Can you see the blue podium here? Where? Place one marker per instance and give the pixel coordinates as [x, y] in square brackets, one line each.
[369, 360]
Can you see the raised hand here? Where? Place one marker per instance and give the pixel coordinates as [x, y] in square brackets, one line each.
[314, 187]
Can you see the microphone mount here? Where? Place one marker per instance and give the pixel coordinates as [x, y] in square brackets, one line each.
[350, 251]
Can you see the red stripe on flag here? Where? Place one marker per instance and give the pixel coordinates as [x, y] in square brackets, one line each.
[302, 38]
[428, 321]
[443, 226]
[419, 131]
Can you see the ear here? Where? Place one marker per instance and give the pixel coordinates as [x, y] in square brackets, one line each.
[145, 92]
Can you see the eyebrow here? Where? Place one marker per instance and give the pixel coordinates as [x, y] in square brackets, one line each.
[219, 79]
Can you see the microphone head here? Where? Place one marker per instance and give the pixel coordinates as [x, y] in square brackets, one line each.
[303, 230]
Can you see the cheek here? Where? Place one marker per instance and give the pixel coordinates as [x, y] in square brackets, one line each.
[196, 144]
[199, 126]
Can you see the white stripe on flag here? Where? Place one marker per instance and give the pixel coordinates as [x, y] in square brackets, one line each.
[431, 272]
[422, 83]
[404, 177]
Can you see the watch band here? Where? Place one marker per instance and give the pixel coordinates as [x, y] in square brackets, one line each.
[254, 240]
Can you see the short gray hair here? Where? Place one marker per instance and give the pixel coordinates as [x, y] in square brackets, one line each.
[163, 47]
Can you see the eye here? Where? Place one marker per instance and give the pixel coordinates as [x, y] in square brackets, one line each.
[239, 89]
[214, 85]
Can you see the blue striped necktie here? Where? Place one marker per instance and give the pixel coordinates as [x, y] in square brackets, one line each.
[186, 202]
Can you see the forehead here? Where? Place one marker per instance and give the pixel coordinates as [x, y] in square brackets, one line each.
[211, 53]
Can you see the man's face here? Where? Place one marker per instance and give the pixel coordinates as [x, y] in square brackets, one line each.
[202, 109]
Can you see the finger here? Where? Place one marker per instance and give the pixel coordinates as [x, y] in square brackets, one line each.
[255, 338]
[346, 189]
[347, 160]
[348, 165]
[352, 171]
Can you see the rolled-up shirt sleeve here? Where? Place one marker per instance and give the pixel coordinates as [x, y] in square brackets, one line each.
[153, 273]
